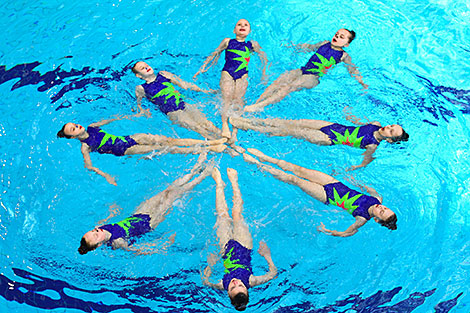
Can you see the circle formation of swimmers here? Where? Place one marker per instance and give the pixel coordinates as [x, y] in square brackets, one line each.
[235, 240]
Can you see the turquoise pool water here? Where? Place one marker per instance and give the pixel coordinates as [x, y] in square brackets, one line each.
[63, 62]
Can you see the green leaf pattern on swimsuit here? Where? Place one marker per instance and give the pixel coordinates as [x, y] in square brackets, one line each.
[169, 92]
[231, 265]
[109, 136]
[244, 57]
[345, 202]
[322, 67]
[348, 139]
[127, 223]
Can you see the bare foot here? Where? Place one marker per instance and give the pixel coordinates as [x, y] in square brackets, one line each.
[218, 148]
[251, 108]
[238, 148]
[216, 141]
[226, 131]
[216, 176]
[249, 159]
[232, 174]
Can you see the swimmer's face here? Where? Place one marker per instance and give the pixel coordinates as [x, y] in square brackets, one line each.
[143, 69]
[242, 28]
[95, 236]
[341, 38]
[74, 130]
[391, 131]
[235, 287]
[381, 212]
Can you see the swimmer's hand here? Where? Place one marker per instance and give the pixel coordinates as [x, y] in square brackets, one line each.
[324, 230]
[264, 249]
[146, 113]
[195, 75]
[210, 91]
[110, 179]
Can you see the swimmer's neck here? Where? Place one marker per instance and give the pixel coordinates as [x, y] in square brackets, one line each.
[336, 47]
[83, 136]
[378, 136]
[240, 38]
[150, 79]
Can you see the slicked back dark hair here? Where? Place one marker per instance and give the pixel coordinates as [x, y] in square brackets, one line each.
[352, 35]
[390, 223]
[61, 133]
[240, 301]
[403, 137]
[85, 247]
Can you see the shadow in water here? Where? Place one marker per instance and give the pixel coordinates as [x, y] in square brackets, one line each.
[36, 294]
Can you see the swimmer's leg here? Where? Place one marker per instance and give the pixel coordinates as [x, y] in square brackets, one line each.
[238, 105]
[313, 176]
[224, 221]
[195, 120]
[227, 87]
[283, 79]
[241, 233]
[297, 82]
[150, 139]
[311, 188]
[159, 205]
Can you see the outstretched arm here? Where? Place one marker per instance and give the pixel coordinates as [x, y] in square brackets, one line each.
[184, 84]
[360, 221]
[144, 249]
[211, 260]
[262, 56]
[266, 253]
[352, 69]
[139, 95]
[214, 57]
[306, 47]
[368, 157]
[86, 157]
[104, 122]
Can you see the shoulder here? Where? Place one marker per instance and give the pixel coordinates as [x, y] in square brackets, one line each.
[360, 221]
[139, 89]
[224, 43]
[345, 57]
[376, 123]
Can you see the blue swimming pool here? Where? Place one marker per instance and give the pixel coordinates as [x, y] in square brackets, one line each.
[63, 62]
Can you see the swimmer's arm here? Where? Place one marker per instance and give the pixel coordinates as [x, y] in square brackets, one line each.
[306, 47]
[211, 259]
[183, 84]
[352, 69]
[139, 95]
[108, 121]
[266, 253]
[214, 57]
[86, 157]
[368, 157]
[148, 248]
[351, 230]
[262, 55]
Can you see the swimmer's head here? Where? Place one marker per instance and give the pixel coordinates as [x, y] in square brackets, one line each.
[384, 216]
[92, 240]
[343, 37]
[142, 70]
[70, 130]
[242, 28]
[238, 294]
[393, 133]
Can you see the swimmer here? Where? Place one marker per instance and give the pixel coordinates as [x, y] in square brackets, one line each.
[366, 136]
[160, 90]
[233, 80]
[328, 54]
[146, 218]
[235, 244]
[328, 190]
[95, 139]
